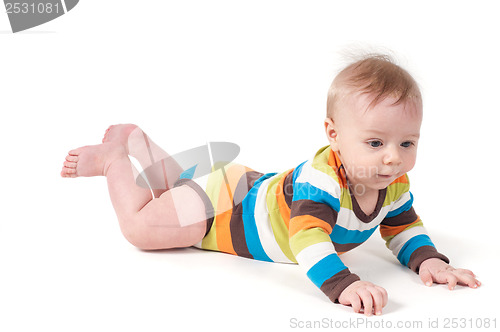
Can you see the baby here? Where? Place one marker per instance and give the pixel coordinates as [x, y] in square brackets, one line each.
[310, 214]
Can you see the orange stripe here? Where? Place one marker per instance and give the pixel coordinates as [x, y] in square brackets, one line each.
[304, 222]
[280, 197]
[225, 205]
[401, 179]
[394, 230]
[335, 163]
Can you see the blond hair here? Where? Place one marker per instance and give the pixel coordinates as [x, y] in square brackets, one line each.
[376, 75]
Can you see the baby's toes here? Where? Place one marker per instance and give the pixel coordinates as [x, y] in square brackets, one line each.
[72, 159]
[69, 164]
[74, 153]
[105, 138]
[68, 172]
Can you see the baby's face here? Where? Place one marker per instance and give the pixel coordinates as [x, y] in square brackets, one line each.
[377, 145]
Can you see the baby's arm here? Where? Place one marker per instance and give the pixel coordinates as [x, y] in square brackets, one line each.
[406, 237]
[310, 225]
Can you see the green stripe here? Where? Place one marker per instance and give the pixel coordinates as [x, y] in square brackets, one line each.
[280, 231]
[395, 191]
[306, 238]
[345, 199]
[214, 185]
[320, 162]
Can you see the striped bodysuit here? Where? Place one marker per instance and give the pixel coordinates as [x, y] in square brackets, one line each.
[308, 216]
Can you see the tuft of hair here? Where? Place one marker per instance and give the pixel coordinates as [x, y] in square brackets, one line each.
[376, 75]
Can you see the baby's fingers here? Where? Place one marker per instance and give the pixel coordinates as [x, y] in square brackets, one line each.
[385, 297]
[466, 271]
[467, 279]
[426, 277]
[355, 302]
[379, 296]
[366, 298]
[452, 280]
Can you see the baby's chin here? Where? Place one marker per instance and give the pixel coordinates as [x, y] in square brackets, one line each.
[375, 183]
[380, 183]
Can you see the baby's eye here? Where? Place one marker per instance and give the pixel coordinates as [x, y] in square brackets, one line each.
[406, 144]
[375, 144]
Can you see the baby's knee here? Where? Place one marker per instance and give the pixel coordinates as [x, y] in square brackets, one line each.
[134, 235]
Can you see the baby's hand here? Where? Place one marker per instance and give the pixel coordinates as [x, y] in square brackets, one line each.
[364, 294]
[434, 269]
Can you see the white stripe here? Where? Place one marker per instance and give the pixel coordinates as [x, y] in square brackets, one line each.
[348, 220]
[319, 179]
[401, 201]
[264, 229]
[311, 255]
[398, 241]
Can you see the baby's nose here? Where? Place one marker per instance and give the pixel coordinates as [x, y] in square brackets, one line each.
[392, 157]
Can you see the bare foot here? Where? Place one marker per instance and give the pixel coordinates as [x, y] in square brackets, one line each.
[136, 143]
[92, 160]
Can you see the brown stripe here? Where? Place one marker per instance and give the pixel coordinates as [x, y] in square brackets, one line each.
[334, 286]
[253, 177]
[363, 216]
[245, 183]
[404, 218]
[209, 209]
[315, 209]
[345, 247]
[288, 189]
[423, 253]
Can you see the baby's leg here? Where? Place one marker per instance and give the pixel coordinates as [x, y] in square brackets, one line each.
[161, 171]
[176, 219]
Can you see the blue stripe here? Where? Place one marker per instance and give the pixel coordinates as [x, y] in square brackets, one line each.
[402, 208]
[342, 235]
[296, 172]
[325, 269]
[189, 173]
[305, 190]
[251, 234]
[411, 245]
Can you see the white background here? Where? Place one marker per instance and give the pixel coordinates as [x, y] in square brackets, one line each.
[255, 73]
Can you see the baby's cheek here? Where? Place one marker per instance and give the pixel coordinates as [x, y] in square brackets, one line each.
[368, 166]
[409, 164]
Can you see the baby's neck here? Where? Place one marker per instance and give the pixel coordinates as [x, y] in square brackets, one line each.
[367, 201]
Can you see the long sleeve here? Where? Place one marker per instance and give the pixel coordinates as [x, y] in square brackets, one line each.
[311, 223]
[406, 236]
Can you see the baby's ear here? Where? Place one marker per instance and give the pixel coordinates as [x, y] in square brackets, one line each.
[331, 133]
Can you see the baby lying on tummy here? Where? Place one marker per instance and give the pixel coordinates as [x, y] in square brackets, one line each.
[310, 214]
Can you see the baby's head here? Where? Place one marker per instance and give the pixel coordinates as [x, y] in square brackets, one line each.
[374, 113]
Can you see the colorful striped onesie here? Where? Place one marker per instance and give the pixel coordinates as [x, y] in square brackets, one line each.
[308, 216]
